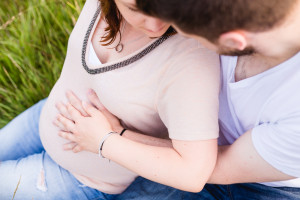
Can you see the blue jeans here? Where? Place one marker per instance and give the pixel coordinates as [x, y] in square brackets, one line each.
[24, 161]
[28, 171]
[142, 189]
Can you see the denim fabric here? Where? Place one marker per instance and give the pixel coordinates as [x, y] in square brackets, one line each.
[24, 161]
[143, 189]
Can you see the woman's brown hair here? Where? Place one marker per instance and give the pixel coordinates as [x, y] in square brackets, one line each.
[113, 18]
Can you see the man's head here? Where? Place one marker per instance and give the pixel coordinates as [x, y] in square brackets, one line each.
[221, 22]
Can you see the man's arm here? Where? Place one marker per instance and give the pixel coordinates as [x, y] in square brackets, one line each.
[241, 163]
[148, 140]
[236, 163]
[191, 161]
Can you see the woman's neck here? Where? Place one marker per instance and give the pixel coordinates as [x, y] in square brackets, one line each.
[131, 40]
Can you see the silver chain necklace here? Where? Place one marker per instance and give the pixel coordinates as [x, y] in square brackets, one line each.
[122, 63]
[120, 46]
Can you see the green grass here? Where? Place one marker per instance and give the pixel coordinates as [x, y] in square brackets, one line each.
[33, 43]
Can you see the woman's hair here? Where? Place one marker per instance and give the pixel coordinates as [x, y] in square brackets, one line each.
[113, 18]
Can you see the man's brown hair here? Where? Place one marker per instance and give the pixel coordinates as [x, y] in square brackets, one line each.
[211, 18]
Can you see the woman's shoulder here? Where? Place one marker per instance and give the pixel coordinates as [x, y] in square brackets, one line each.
[90, 5]
[183, 41]
[189, 50]
[184, 46]
[88, 12]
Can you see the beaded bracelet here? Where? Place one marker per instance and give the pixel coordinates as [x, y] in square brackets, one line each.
[102, 142]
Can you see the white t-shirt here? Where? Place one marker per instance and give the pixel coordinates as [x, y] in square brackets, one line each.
[93, 59]
[268, 103]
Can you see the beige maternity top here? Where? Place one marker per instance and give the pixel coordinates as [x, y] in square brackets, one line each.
[172, 92]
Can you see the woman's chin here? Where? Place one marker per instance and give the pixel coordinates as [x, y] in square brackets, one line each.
[155, 34]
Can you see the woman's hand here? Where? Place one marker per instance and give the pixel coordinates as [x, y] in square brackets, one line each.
[84, 125]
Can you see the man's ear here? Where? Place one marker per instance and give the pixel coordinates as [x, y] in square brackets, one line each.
[233, 40]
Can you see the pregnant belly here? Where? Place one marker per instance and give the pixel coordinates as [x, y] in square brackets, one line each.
[84, 164]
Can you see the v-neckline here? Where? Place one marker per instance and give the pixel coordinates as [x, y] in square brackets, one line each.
[126, 60]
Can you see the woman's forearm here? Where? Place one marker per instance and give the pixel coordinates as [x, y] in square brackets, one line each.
[187, 166]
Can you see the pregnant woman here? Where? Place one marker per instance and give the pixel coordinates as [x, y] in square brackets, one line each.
[155, 81]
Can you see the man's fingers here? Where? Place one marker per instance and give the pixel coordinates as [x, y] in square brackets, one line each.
[91, 110]
[111, 118]
[76, 102]
[94, 99]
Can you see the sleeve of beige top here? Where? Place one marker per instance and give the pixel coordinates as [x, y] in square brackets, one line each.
[187, 99]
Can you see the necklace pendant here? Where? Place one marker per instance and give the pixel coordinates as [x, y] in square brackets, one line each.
[119, 47]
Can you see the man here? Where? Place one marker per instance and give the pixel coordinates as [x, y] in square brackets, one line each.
[259, 156]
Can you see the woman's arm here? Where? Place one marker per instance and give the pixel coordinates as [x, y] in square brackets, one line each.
[185, 165]
[186, 101]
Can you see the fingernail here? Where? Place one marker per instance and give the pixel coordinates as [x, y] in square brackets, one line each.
[58, 117]
[69, 93]
[84, 104]
[91, 92]
[58, 104]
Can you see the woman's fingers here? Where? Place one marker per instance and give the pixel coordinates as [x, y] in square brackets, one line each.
[67, 135]
[68, 125]
[73, 112]
[62, 108]
[72, 146]
[76, 102]
[69, 146]
[77, 149]
[59, 125]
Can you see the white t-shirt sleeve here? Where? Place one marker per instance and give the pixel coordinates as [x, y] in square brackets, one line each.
[279, 143]
[187, 100]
